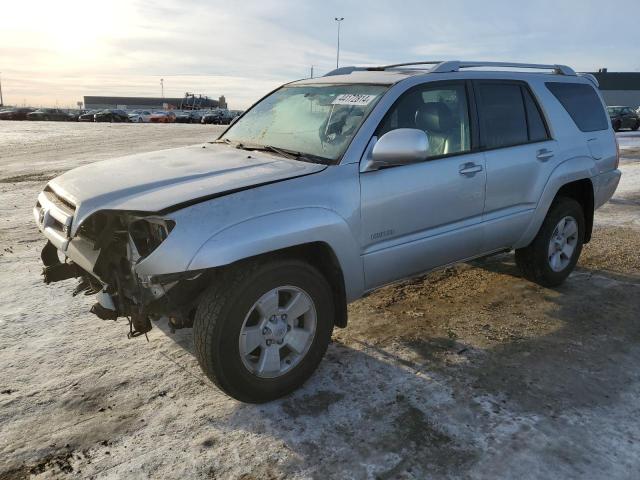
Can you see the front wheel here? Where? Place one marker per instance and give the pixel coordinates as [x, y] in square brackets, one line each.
[262, 328]
[636, 126]
[552, 255]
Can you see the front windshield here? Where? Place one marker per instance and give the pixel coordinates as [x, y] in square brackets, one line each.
[317, 120]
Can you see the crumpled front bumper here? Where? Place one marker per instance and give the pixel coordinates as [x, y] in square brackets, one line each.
[54, 217]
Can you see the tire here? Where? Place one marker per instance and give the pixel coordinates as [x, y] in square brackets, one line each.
[535, 260]
[617, 126]
[636, 126]
[228, 307]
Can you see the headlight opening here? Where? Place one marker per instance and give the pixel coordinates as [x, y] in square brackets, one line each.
[148, 233]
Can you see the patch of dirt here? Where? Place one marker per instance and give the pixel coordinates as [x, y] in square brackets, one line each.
[613, 249]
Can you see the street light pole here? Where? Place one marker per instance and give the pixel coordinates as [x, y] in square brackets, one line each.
[339, 20]
[162, 88]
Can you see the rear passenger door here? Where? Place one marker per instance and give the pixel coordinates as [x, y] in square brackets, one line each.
[518, 153]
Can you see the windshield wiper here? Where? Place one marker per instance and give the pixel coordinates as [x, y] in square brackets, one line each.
[291, 154]
[283, 152]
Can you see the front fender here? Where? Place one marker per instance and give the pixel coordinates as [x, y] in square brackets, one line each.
[576, 168]
[281, 230]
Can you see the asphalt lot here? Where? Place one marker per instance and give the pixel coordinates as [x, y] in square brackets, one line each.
[469, 372]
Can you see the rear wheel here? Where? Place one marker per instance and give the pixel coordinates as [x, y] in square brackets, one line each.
[636, 126]
[552, 255]
[617, 126]
[261, 330]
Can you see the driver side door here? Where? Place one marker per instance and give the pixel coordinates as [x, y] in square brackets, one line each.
[419, 216]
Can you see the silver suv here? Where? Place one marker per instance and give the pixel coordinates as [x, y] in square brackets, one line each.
[325, 190]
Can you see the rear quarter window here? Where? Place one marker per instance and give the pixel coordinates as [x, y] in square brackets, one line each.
[582, 103]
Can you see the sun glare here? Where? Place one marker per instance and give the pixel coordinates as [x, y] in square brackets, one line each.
[66, 27]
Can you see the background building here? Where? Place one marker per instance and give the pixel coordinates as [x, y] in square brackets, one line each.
[149, 103]
[619, 88]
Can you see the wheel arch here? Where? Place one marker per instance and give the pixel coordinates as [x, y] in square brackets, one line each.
[571, 178]
[322, 257]
[581, 191]
[318, 235]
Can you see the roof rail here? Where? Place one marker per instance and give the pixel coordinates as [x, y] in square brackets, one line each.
[385, 67]
[456, 65]
[343, 71]
[591, 77]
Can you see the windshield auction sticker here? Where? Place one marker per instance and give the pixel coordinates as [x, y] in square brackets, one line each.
[353, 99]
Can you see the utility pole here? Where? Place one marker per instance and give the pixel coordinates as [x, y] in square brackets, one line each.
[162, 88]
[1, 102]
[311, 71]
[339, 20]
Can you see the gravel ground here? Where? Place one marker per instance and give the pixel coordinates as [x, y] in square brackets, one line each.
[469, 372]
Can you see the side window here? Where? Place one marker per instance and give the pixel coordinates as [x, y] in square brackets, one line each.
[537, 129]
[582, 103]
[503, 120]
[440, 110]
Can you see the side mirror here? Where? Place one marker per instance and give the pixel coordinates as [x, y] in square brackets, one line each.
[398, 147]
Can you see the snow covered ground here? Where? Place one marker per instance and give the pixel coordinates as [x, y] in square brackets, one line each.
[470, 372]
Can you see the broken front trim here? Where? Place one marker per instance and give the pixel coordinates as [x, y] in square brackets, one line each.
[115, 242]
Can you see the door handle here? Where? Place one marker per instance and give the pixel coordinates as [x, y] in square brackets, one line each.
[470, 168]
[544, 154]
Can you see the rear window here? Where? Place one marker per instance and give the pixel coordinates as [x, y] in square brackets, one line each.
[582, 103]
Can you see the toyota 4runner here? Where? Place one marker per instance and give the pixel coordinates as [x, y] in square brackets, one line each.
[327, 189]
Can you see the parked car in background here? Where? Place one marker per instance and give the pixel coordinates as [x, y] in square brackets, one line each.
[211, 118]
[218, 117]
[183, 117]
[140, 116]
[188, 116]
[88, 116]
[162, 117]
[74, 115]
[111, 116]
[196, 115]
[261, 239]
[49, 114]
[19, 113]
[623, 117]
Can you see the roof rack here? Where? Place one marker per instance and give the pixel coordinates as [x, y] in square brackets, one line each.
[456, 65]
[395, 65]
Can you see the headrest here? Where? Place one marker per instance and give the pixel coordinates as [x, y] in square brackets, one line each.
[434, 117]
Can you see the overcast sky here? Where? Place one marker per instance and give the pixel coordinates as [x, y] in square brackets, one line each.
[57, 51]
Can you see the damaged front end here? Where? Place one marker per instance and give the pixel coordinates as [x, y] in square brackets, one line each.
[103, 254]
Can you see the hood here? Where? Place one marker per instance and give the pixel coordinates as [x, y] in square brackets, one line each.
[152, 182]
